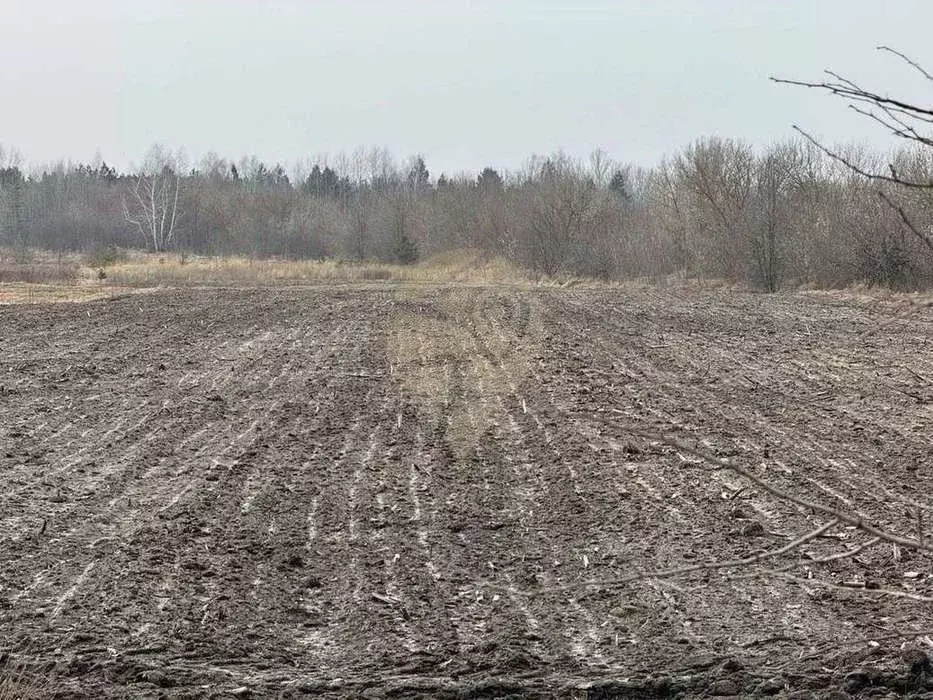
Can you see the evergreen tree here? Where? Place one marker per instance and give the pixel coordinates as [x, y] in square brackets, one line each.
[489, 179]
[418, 175]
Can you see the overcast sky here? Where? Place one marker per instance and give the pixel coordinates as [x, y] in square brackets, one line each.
[466, 84]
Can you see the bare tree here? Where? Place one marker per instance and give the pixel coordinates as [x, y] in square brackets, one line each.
[775, 179]
[10, 157]
[152, 207]
[358, 206]
[561, 199]
[719, 175]
[601, 167]
[668, 246]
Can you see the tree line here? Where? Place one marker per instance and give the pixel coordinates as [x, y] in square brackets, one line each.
[792, 214]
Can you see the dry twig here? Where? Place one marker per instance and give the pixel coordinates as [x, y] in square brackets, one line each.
[708, 566]
[855, 519]
[839, 587]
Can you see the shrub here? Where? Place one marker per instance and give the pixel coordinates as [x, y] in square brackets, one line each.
[105, 256]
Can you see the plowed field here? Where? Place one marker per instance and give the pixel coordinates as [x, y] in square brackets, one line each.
[402, 491]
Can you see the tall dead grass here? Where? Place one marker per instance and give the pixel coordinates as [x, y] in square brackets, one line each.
[173, 270]
[18, 682]
[65, 272]
[54, 277]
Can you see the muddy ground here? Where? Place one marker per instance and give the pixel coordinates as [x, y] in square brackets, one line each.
[404, 491]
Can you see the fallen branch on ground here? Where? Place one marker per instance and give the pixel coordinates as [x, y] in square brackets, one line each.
[857, 520]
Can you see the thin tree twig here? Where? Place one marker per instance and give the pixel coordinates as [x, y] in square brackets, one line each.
[837, 587]
[899, 117]
[906, 219]
[899, 128]
[857, 520]
[858, 170]
[919, 376]
[848, 554]
[693, 568]
[802, 563]
[847, 88]
[909, 61]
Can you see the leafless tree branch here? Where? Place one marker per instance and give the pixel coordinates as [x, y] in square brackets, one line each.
[896, 180]
[925, 239]
[907, 60]
[849, 90]
[880, 592]
[707, 566]
[857, 520]
[902, 119]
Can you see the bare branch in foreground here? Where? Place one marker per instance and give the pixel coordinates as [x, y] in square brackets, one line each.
[894, 180]
[906, 219]
[803, 563]
[855, 519]
[880, 592]
[850, 90]
[708, 566]
[907, 60]
[902, 119]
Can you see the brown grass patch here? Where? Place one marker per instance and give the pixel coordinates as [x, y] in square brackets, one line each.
[24, 293]
[50, 277]
[465, 266]
[457, 360]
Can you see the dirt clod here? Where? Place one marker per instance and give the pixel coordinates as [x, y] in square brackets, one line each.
[771, 686]
[725, 687]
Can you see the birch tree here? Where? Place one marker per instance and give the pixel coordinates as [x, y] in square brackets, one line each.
[151, 203]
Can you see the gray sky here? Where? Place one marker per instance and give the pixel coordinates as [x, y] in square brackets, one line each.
[467, 84]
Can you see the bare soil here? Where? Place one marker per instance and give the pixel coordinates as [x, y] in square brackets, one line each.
[402, 491]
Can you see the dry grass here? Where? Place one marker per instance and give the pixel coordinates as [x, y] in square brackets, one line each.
[36, 270]
[863, 294]
[46, 277]
[50, 278]
[17, 682]
[457, 358]
[172, 270]
[25, 293]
